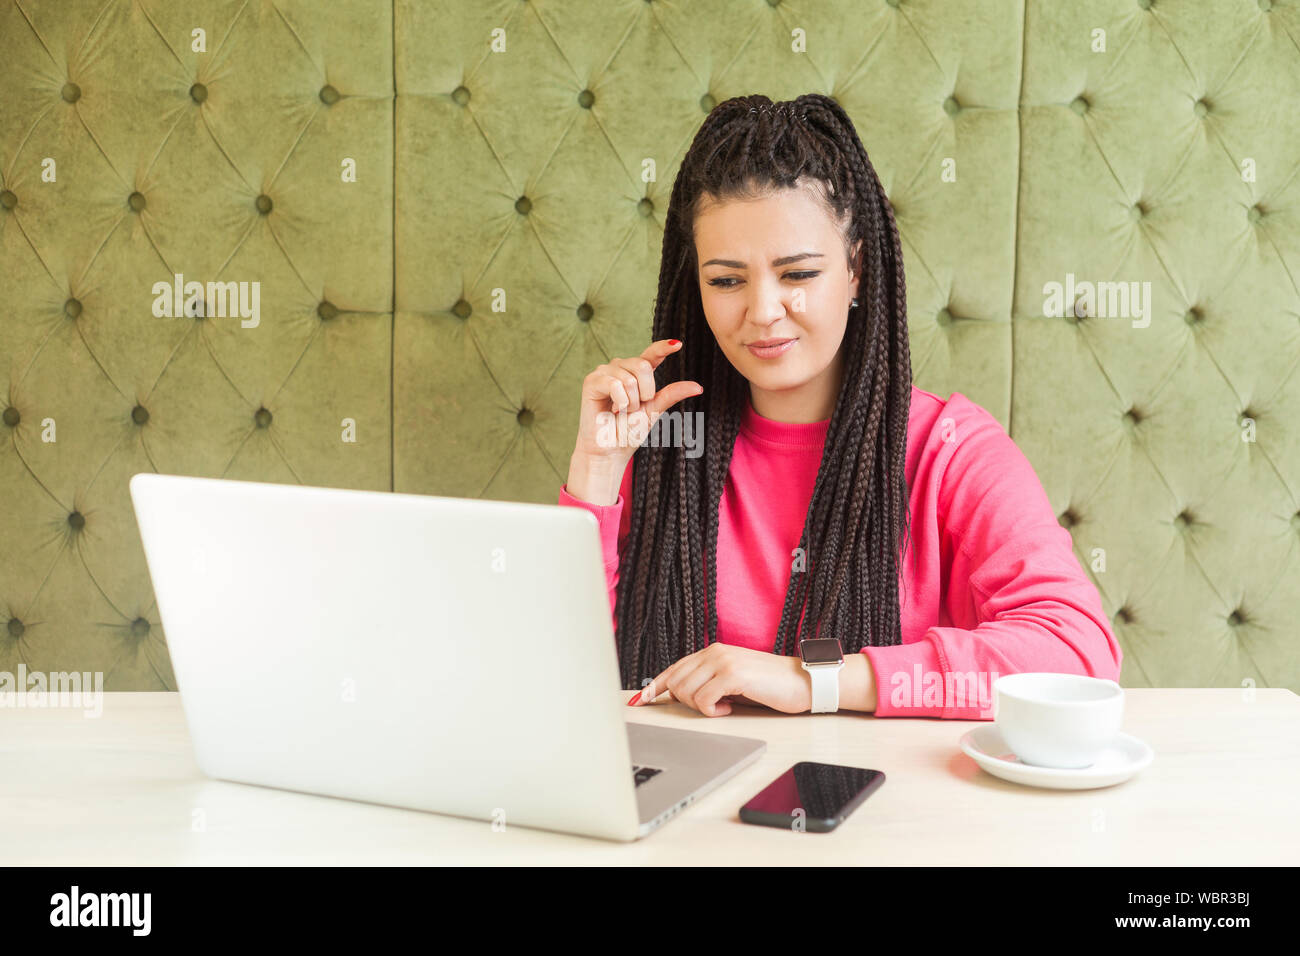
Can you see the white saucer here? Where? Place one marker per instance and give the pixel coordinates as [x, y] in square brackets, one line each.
[1121, 760]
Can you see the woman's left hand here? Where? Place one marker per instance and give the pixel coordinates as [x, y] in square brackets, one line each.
[708, 680]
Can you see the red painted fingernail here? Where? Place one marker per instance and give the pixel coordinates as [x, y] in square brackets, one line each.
[635, 698]
[674, 342]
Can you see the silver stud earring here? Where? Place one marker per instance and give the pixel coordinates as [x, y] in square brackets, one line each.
[855, 303]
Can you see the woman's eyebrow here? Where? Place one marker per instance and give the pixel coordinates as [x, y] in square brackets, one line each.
[776, 263]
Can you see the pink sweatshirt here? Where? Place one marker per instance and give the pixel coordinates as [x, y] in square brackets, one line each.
[989, 584]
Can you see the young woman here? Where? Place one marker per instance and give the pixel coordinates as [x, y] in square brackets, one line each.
[781, 286]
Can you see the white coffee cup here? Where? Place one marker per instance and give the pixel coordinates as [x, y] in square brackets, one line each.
[1057, 720]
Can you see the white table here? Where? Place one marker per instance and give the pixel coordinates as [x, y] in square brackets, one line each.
[123, 789]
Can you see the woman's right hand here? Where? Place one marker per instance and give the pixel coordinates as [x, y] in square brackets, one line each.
[625, 388]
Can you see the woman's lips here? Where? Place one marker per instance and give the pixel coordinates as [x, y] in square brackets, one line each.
[772, 351]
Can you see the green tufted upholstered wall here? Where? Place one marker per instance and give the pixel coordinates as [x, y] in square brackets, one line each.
[500, 241]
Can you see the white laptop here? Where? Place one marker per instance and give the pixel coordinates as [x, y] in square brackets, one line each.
[442, 654]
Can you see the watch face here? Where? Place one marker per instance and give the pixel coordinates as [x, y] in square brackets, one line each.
[821, 650]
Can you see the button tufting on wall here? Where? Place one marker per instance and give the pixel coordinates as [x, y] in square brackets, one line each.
[139, 628]
[1137, 210]
[312, 248]
[76, 521]
[1236, 618]
[263, 204]
[15, 628]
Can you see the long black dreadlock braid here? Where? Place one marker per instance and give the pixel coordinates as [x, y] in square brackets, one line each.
[854, 534]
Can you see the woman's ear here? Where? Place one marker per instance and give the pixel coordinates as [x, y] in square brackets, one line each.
[854, 274]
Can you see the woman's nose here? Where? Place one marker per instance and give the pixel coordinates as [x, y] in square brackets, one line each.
[769, 302]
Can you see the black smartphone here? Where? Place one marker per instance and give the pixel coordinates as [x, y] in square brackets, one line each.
[812, 796]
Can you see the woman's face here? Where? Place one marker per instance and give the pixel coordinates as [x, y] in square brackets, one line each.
[773, 270]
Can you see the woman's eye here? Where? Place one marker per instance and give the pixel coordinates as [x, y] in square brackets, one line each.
[727, 282]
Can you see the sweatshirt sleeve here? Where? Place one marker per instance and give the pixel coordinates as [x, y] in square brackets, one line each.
[614, 521]
[1016, 597]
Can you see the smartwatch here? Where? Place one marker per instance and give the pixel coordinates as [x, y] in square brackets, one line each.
[823, 659]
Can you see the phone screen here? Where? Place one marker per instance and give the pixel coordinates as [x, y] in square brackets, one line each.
[812, 796]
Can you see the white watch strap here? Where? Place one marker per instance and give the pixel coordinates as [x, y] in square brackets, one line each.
[825, 687]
